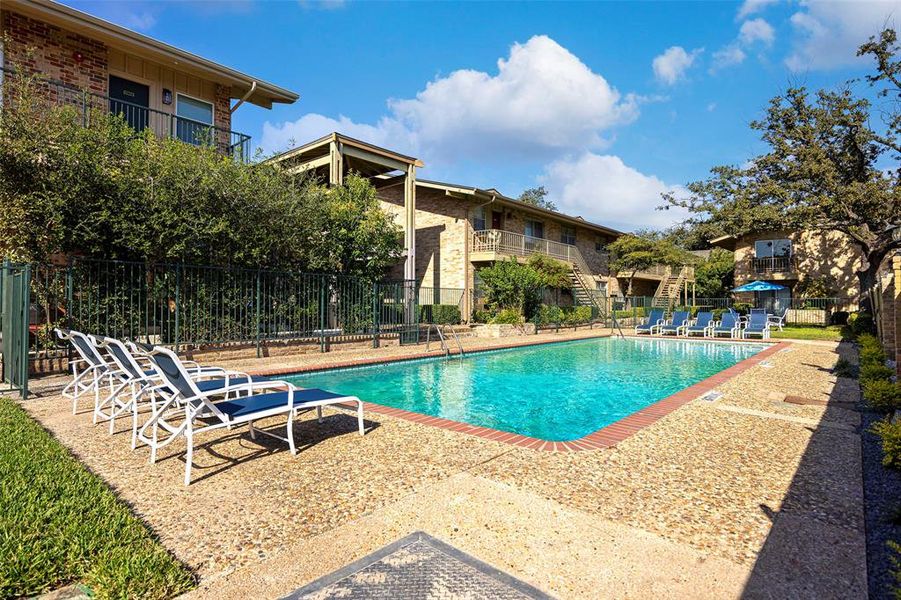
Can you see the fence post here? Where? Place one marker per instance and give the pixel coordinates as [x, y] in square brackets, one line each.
[375, 315]
[70, 301]
[322, 312]
[257, 319]
[177, 301]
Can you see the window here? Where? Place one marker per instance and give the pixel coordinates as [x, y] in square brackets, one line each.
[194, 120]
[535, 229]
[568, 235]
[600, 244]
[772, 248]
[602, 287]
[478, 218]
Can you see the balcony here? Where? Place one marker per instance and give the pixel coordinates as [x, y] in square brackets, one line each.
[162, 124]
[491, 244]
[774, 265]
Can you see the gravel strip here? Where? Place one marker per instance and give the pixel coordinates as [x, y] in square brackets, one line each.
[882, 501]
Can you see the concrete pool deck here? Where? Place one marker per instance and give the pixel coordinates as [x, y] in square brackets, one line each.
[744, 496]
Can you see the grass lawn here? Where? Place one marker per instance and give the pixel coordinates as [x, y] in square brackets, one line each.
[809, 332]
[60, 524]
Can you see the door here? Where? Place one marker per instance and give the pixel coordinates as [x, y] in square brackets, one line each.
[131, 100]
[497, 219]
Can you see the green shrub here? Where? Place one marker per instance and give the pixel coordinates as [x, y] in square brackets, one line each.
[577, 315]
[883, 395]
[743, 308]
[508, 316]
[872, 356]
[482, 315]
[839, 317]
[891, 442]
[874, 372]
[549, 315]
[440, 314]
[61, 524]
[844, 368]
[896, 568]
[860, 323]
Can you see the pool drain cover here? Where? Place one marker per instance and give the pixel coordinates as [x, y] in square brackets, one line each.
[418, 566]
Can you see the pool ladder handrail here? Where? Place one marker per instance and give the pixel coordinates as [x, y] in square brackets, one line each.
[440, 332]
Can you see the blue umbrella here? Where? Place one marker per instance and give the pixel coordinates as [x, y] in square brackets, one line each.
[759, 286]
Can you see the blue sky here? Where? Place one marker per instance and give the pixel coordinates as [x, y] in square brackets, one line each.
[606, 104]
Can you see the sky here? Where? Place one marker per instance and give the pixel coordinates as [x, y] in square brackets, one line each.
[606, 104]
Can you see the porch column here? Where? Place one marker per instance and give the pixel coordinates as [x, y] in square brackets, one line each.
[410, 222]
[336, 163]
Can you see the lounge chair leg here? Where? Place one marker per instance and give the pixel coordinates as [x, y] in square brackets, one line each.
[360, 418]
[289, 427]
[253, 432]
[189, 456]
[319, 414]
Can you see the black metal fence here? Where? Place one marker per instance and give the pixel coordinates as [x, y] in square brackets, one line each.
[189, 306]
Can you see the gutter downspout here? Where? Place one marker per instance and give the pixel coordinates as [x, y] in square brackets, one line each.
[253, 88]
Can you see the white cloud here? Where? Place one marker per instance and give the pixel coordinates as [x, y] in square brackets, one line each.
[727, 56]
[711, 107]
[829, 33]
[322, 4]
[670, 66]
[756, 30]
[749, 7]
[541, 100]
[602, 188]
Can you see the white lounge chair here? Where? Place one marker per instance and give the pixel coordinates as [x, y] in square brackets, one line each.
[87, 370]
[179, 414]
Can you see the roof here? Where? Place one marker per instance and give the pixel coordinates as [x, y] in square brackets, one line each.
[724, 241]
[263, 94]
[492, 195]
[320, 147]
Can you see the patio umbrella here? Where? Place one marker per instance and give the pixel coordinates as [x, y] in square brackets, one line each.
[758, 286]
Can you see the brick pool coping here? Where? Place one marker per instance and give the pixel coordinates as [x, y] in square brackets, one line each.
[605, 437]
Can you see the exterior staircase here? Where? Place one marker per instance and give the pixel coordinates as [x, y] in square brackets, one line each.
[667, 294]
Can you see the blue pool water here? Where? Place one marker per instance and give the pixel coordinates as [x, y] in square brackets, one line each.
[555, 392]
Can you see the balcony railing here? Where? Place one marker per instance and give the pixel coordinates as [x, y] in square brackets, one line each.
[162, 124]
[517, 244]
[774, 264]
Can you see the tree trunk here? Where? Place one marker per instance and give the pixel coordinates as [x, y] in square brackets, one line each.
[631, 279]
[867, 281]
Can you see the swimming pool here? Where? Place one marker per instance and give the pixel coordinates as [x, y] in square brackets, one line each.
[554, 392]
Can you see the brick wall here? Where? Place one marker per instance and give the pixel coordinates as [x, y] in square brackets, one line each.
[38, 47]
[890, 325]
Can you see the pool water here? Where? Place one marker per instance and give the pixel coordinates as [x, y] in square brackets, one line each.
[555, 392]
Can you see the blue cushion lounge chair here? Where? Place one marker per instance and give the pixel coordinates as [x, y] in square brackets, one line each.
[130, 383]
[758, 324]
[677, 323]
[702, 324]
[87, 370]
[180, 415]
[653, 322]
[729, 324]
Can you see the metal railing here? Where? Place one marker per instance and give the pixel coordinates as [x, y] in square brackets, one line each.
[773, 264]
[140, 118]
[517, 244]
[183, 306]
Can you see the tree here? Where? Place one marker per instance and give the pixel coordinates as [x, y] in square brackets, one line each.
[641, 251]
[553, 273]
[511, 285]
[715, 277]
[103, 191]
[537, 196]
[823, 170]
